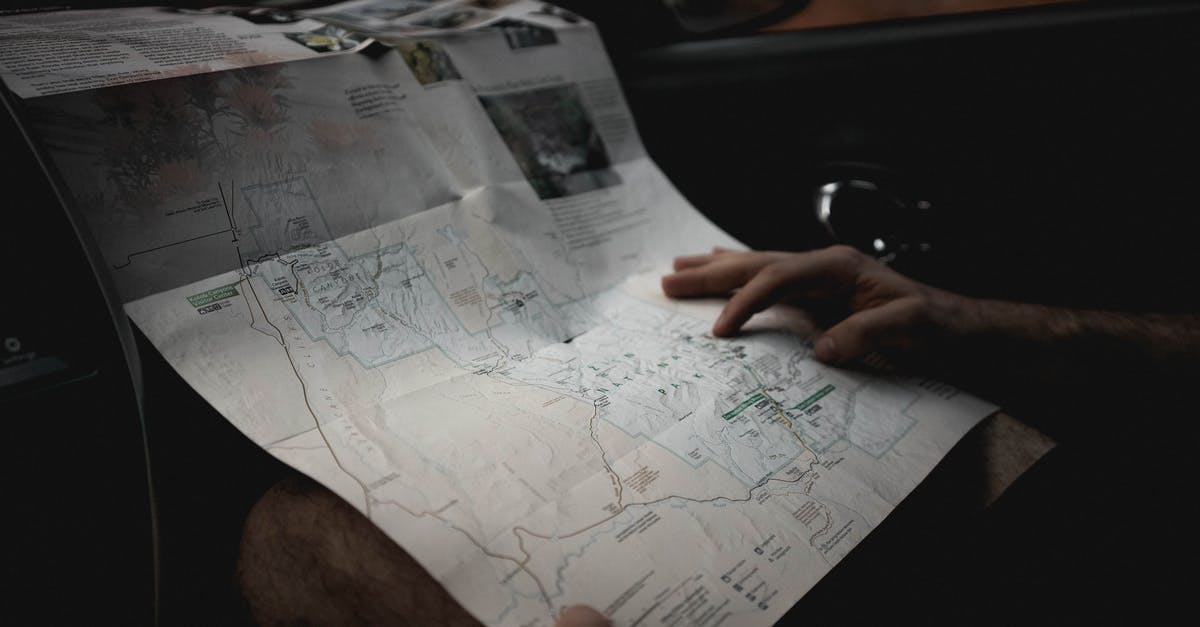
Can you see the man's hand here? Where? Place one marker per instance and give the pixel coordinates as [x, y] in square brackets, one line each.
[869, 306]
[581, 616]
[1000, 349]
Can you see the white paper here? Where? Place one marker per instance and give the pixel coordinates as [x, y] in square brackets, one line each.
[50, 53]
[428, 279]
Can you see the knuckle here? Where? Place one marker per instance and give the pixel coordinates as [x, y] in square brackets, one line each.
[916, 310]
[756, 259]
[859, 330]
[846, 259]
[772, 268]
[845, 252]
[775, 272]
[707, 282]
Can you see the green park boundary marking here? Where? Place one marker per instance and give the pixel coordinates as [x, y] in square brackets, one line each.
[731, 414]
[821, 393]
[213, 295]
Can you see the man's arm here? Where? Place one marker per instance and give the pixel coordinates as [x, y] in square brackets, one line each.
[866, 307]
[308, 557]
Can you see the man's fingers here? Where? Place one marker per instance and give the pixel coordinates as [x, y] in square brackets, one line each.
[868, 331]
[721, 275]
[581, 616]
[692, 261]
[708, 280]
[695, 261]
[724, 270]
[760, 292]
[793, 274]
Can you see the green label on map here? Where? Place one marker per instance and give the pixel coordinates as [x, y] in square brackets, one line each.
[731, 414]
[804, 404]
[213, 295]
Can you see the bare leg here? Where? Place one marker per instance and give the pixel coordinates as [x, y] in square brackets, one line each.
[309, 558]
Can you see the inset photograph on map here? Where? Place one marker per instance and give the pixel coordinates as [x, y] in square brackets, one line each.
[491, 4]
[375, 16]
[523, 34]
[549, 10]
[328, 38]
[428, 61]
[393, 9]
[260, 15]
[452, 18]
[553, 140]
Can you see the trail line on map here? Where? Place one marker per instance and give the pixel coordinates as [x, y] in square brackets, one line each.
[308, 405]
[521, 564]
[130, 256]
[623, 508]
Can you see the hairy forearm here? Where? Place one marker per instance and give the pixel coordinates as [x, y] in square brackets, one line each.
[1078, 351]
[1089, 338]
[868, 309]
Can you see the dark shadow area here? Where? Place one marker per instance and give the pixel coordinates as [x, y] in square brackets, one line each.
[78, 540]
[1054, 142]
[200, 513]
[1057, 146]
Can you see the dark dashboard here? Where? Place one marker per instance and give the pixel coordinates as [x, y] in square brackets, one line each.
[1054, 148]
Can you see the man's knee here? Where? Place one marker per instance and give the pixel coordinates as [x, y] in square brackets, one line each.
[308, 557]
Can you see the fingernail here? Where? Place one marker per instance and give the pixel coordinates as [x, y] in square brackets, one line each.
[581, 616]
[826, 350]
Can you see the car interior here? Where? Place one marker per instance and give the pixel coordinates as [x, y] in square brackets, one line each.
[1038, 152]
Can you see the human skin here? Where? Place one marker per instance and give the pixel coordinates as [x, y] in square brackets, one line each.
[309, 557]
[879, 307]
[866, 307]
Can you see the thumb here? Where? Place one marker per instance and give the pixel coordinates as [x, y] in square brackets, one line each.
[866, 331]
[581, 616]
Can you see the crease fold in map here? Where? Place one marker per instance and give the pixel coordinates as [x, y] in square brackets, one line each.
[426, 277]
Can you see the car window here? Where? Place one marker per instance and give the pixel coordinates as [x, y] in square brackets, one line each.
[708, 16]
[822, 13]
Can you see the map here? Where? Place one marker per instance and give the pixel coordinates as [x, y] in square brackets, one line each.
[436, 293]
